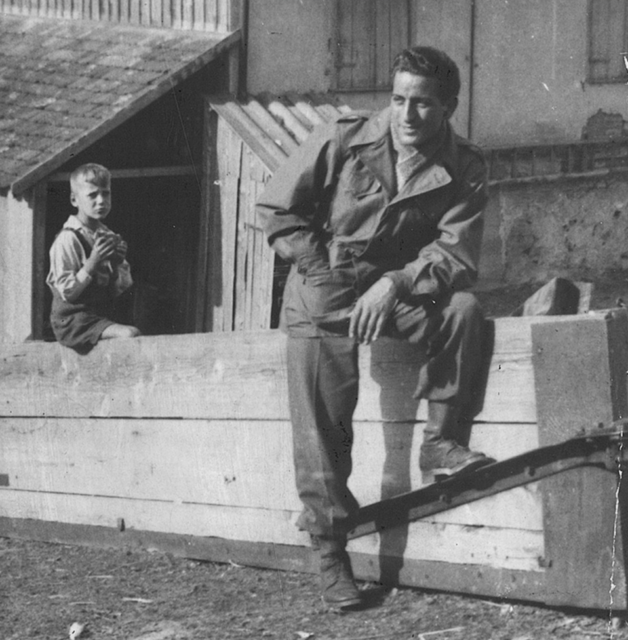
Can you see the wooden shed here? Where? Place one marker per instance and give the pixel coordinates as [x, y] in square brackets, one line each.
[248, 140]
[129, 97]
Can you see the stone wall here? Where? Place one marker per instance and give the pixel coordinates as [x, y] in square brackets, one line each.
[576, 228]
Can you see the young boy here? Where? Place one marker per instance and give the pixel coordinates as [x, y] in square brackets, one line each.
[88, 267]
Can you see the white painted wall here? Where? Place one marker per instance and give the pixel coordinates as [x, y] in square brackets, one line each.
[289, 46]
[531, 68]
[16, 258]
[530, 62]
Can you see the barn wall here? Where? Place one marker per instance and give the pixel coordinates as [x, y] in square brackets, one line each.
[16, 265]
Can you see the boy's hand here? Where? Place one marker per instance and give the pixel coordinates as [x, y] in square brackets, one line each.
[120, 253]
[104, 249]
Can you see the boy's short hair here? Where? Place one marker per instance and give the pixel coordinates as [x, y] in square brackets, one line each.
[431, 63]
[91, 172]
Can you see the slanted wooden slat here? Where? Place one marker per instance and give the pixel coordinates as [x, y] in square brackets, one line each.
[259, 142]
[296, 125]
[264, 119]
[303, 105]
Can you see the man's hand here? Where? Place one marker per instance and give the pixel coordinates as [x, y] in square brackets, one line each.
[372, 310]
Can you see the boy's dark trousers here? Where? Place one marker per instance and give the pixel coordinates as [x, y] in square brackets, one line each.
[323, 392]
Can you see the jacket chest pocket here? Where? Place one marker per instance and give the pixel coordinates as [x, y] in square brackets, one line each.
[427, 209]
[358, 181]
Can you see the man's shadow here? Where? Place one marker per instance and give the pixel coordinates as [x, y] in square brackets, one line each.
[395, 367]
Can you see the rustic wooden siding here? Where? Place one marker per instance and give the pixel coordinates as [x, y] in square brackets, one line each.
[200, 15]
[190, 436]
[248, 141]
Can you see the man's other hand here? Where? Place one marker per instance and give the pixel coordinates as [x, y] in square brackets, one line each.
[372, 310]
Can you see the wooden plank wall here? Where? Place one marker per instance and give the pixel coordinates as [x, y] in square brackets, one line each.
[241, 263]
[189, 436]
[220, 16]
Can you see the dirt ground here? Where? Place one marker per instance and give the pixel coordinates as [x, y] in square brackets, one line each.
[139, 595]
[143, 595]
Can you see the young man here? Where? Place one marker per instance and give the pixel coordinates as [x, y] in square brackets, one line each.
[88, 267]
[381, 217]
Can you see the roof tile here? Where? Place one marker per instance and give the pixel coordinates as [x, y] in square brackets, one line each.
[61, 79]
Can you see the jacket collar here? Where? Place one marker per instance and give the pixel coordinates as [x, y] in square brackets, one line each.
[374, 146]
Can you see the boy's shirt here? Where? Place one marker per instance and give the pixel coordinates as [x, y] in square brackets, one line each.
[67, 259]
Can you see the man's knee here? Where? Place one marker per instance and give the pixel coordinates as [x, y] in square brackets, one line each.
[465, 306]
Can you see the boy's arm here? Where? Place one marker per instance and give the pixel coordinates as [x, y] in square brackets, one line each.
[67, 271]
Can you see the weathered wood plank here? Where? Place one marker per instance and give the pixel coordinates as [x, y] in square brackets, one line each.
[207, 238]
[260, 143]
[580, 382]
[229, 154]
[446, 542]
[214, 376]
[196, 462]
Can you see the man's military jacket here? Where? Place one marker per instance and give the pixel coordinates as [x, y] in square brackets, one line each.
[337, 193]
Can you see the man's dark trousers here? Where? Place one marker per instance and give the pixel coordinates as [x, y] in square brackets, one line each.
[323, 392]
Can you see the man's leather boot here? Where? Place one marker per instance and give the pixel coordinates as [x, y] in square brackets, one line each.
[444, 452]
[337, 584]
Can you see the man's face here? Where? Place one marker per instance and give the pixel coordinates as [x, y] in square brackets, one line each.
[417, 112]
[92, 200]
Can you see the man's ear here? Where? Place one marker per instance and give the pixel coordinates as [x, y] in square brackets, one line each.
[450, 107]
[73, 199]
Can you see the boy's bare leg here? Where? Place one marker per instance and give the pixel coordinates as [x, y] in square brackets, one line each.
[120, 331]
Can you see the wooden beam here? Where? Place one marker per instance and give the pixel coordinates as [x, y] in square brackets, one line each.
[140, 172]
[580, 378]
[39, 205]
[210, 376]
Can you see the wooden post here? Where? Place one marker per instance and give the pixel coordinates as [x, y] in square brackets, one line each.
[580, 367]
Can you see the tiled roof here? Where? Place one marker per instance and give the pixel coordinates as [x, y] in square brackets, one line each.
[65, 83]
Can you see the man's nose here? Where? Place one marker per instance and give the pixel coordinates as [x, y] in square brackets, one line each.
[409, 112]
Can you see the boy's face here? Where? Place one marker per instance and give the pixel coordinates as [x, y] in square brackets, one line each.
[92, 200]
[417, 111]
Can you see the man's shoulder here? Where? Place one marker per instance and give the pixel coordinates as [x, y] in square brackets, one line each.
[465, 146]
[361, 126]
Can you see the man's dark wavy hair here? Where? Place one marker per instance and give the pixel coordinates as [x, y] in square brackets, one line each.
[431, 63]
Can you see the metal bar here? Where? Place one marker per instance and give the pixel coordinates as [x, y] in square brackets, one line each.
[600, 449]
